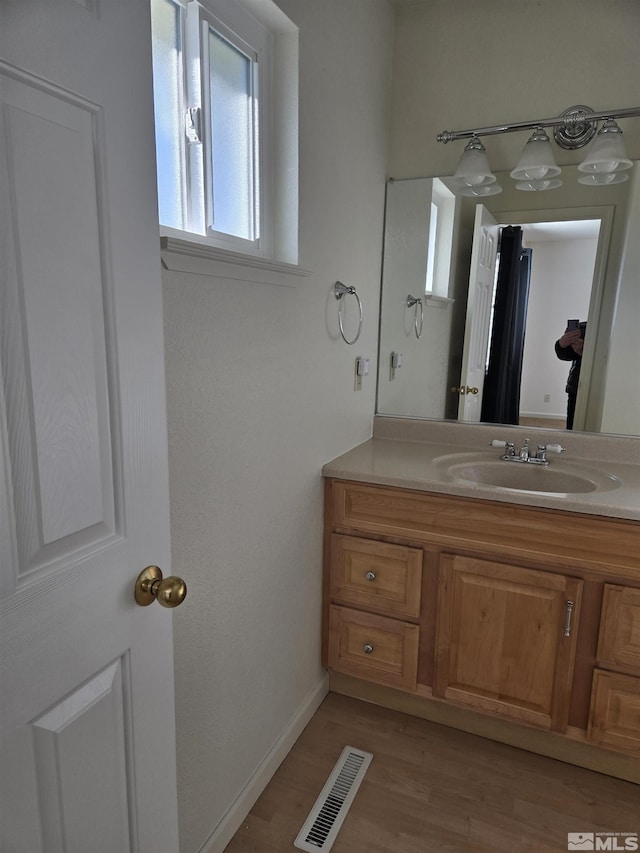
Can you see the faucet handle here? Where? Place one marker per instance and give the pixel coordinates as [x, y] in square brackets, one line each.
[554, 448]
[509, 446]
[543, 449]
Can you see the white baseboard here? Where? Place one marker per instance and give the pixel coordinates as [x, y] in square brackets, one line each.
[243, 803]
[549, 416]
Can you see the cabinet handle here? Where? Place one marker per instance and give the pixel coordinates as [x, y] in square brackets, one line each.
[367, 648]
[370, 576]
[567, 624]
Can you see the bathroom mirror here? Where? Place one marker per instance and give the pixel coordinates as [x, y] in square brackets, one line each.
[584, 264]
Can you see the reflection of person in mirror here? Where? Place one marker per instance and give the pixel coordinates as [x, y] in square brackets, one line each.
[569, 348]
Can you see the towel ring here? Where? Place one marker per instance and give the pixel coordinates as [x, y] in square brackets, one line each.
[415, 301]
[339, 291]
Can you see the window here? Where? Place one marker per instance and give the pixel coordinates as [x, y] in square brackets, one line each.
[431, 250]
[216, 116]
[440, 243]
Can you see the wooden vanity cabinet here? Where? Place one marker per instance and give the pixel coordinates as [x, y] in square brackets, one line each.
[517, 614]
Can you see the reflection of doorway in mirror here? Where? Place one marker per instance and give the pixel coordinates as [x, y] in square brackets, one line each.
[479, 314]
[564, 255]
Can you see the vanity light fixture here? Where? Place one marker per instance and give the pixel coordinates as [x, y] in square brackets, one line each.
[604, 164]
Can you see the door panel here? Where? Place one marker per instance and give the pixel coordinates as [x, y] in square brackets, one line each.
[54, 330]
[479, 305]
[87, 683]
[94, 817]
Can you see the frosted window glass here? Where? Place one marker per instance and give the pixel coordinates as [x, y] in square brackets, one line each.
[167, 88]
[231, 138]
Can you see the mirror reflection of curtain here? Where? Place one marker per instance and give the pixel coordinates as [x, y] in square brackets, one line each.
[501, 398]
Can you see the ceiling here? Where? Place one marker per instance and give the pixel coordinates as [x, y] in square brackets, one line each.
[544, 232]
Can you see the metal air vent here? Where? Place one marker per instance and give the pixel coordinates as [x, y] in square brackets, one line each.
[330, 809]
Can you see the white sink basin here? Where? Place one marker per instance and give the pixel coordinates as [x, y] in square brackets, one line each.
[557, 478]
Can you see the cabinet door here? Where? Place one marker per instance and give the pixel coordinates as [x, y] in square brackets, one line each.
[506, 640]
[619, 639]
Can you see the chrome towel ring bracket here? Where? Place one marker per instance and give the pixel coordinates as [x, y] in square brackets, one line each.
[340, 290]
[415, 302]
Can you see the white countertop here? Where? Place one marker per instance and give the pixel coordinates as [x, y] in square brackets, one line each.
[395, 458]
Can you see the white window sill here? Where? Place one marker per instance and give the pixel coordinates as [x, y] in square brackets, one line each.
[439, 300]
[199, 258]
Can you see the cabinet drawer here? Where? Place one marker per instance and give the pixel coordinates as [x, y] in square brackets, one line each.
[376, 575]
[619, 638]
[373, 647]
[614, 720]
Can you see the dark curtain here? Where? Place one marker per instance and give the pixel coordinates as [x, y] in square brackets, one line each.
[501, 397]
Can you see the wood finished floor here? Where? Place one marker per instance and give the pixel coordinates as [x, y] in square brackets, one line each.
[545, 423]
[432, 788]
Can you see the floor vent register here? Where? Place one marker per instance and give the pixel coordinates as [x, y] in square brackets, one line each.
[327, 815]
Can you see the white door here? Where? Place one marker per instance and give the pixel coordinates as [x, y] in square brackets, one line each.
[87, 762]
[478, 322]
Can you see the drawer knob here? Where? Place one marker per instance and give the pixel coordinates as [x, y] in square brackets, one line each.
[367, 648]
[370, 576]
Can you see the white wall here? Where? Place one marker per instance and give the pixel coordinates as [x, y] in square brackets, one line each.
[260, 395]
[560, 288]
[461, 64]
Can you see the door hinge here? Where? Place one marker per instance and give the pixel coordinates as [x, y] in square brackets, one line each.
[192, 124]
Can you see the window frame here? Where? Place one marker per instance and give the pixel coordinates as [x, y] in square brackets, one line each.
[254, 39]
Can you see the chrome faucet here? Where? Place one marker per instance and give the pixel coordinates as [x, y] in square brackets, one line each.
[524, 454]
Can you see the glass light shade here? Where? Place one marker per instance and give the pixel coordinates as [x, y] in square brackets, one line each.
[481, 192]
[473, 169]
[603, 179]
[607, 152]
[539, 185]
[537, 161]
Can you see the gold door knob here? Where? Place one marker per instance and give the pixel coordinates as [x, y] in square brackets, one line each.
[151, 586]
[464, 390]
